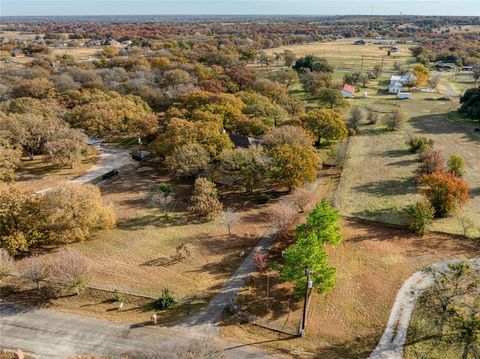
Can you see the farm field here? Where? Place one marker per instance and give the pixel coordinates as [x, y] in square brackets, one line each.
[344, 55]
[371, 264]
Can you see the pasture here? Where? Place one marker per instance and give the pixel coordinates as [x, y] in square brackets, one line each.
[379, 180]
[344, 55]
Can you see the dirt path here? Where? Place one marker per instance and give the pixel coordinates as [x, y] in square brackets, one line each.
[205, 319]
[393, 339]
[47, 334]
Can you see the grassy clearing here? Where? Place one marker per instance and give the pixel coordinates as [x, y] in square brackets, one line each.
[343, 54]
[379, 181]
[372, 262]
[37, 174]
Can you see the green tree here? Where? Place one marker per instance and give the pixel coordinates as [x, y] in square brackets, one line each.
[246, 165]
[293, 166]
[308, 252]
[313, 63]
[456, 165]
[325, 125]
[331, 98]
[323, 220]
[322, 227]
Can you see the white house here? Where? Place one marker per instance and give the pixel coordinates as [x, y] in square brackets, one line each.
[397, 82]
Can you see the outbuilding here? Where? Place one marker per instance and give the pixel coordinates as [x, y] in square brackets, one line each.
[348, 91]
[404, 95]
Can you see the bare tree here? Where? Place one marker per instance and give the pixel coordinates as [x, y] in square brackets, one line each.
[339, 154]
[301, 198]
[34, 269]
[394, 120]
[164, 201]
[356, 117]
[229, 218]
[70, 270]
[6, 264]
[282, 216]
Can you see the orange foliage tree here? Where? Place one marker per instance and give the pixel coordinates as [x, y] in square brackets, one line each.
[445, 191]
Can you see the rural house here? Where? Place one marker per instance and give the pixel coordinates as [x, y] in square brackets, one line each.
[18, 53]
[397, 82]
[348, 91]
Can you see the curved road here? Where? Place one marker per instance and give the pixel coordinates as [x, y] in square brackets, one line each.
[393, 339]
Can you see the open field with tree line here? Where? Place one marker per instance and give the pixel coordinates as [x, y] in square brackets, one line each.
[208, 175]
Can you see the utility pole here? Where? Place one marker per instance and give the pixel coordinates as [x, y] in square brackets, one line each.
[381, 67]
[308, 286]
[361, 68]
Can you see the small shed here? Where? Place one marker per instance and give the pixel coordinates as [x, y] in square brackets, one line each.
[404, 95]
[348, 91]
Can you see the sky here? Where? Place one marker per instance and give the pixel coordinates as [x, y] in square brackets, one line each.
[238, 7]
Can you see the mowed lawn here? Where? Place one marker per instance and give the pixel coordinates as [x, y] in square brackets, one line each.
[371, 264]
[379, 181]
[343, 54]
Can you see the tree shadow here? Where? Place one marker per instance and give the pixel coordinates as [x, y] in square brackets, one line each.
[438, 124]
[403, 162]
[389, 187]
[474, 192]
[361, 347]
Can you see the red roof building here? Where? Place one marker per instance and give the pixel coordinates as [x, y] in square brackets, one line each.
[348, 90]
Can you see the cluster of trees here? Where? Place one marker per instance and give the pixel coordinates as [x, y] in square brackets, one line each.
[309, 252]
[64, 214]
[470, 104]
[440, 183]
[34, 127]
[69, 271]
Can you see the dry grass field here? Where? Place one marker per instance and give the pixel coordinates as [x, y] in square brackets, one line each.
[140, 254]
[78, 53]
[379, 181]
[372, 262]
[343, 54]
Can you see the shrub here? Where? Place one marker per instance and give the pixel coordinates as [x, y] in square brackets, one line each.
[35, 270]
[70, 270]
[356, 118]
[229, 218]
[282, 216]
[164, 188]
[117, 296]
[445, 191]
[263, 198]
[394, 120]
[432, 161]
[166, 301]
[372, 116]
[456, 165]
[205, 199]
[419, 144]
[301, 198]
[164, 201]
[339, 154]
[421, 217]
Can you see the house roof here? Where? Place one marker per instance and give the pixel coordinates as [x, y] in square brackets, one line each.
[348, 88]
